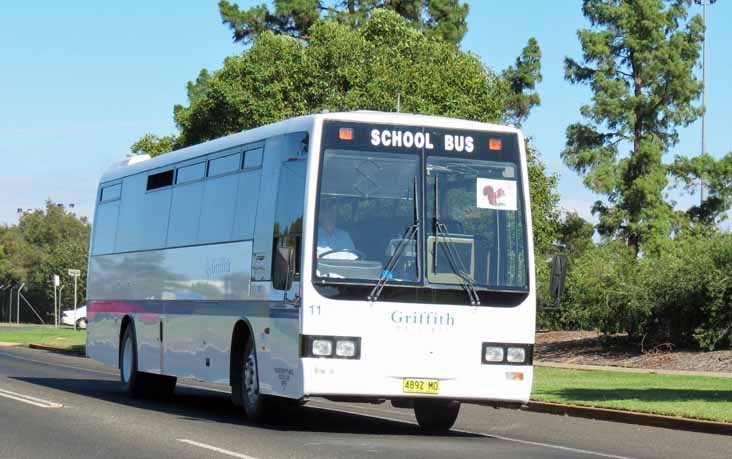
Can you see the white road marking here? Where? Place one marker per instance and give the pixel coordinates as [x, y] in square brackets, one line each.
[215, 448]
[39, 402]
[482, 434]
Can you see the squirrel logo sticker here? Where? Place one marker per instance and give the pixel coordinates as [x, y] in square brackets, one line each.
[495, 194]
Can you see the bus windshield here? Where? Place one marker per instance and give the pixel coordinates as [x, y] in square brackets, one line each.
[366, 203]
[469, 211]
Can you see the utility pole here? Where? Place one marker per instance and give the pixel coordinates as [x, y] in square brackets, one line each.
[704, 4]
[60, 301]
[56, 282]
[10, 305]
[17, 309]
[75, 273]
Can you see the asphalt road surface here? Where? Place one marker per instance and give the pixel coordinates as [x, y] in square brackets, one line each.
[54, 406]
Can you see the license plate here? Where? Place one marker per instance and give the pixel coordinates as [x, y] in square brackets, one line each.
[421, 386]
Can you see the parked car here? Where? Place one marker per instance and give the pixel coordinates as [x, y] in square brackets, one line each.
[68, 318]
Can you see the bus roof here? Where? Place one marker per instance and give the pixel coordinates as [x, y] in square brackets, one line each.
[301, 123]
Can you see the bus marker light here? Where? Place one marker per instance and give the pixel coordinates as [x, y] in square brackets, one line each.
[345, 134]
[494, 144]
[515, 376]
[322, 347]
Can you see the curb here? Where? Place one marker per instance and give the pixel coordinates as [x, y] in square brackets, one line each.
[656, 371]
[58, 350]
[631, 417]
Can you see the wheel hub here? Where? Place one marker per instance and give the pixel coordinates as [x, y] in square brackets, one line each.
[127, 361]
[251, 385]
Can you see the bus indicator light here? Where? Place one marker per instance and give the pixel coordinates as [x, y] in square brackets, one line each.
[515, 376]
[345, 134]
[494, 144]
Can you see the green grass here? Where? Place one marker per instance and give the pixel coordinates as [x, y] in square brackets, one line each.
[697, 397]
[63, 337]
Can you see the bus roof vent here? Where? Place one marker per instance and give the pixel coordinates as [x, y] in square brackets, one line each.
[134, 159]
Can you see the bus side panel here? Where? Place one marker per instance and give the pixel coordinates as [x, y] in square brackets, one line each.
[208, 291]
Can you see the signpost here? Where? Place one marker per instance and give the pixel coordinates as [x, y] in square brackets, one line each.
[56, 283]
[75, 273]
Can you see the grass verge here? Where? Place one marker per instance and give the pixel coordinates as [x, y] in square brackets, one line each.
[62, 338]
[698, 397]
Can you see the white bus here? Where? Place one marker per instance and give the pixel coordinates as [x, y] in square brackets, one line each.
[358, 256]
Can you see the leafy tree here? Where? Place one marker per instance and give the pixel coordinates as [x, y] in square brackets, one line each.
[341, 69]
[575, 233]
[638, 59]
[441, 19]
[43, 243]
[153, 145]
[717, 177]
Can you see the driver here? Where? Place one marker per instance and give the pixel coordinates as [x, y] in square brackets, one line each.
[331, 238]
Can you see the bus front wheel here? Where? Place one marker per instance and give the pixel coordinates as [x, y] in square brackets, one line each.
[435, 416]
[255, 404]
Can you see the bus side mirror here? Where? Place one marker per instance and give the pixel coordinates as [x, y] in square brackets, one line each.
[284, 268]
[558, 276]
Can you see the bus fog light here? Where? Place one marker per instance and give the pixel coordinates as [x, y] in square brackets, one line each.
[493, 354]
[345, 348]
[516, 355]
[322, 347]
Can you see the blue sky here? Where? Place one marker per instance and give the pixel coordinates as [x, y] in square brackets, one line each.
[81, 81]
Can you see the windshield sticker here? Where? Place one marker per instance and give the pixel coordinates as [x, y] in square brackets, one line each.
[496, 194]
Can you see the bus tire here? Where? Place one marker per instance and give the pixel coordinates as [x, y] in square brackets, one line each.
[255, 404]
[436, 416]
[136, 383]
[133, 381]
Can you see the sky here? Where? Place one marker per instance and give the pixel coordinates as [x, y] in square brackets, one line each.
[81, 81]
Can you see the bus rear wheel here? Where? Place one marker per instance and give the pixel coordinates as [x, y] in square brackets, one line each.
[436, 416]
[137, 383]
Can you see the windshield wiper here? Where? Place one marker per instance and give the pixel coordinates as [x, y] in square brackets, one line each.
[456, 263]
[411, 233]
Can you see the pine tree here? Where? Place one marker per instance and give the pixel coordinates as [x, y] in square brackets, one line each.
[638, 59]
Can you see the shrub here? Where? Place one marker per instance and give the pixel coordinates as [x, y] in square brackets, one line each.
[682, 296]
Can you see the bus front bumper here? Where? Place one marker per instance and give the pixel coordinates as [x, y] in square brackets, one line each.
[355, 378]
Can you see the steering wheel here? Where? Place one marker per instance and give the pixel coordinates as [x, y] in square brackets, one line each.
[359, 255]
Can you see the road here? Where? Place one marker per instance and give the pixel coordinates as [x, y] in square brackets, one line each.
[54, 406]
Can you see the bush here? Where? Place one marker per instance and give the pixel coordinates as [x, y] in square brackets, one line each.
[682, 296]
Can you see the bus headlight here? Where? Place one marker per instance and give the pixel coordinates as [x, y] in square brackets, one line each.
[493, 354]
[322, 347]
[507, 354]
[345, 348]
[516, 355]
[335, 347]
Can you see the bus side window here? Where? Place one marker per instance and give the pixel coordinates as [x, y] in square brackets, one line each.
[288, 214]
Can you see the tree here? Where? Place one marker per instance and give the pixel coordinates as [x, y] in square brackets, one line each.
[638, 59]
[717, 178]
[43, 243]
[523, 77]
[575, 233]
[341, 68]
[152, 145]
[440, 19]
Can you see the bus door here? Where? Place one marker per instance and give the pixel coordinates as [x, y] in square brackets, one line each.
[288, 222]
